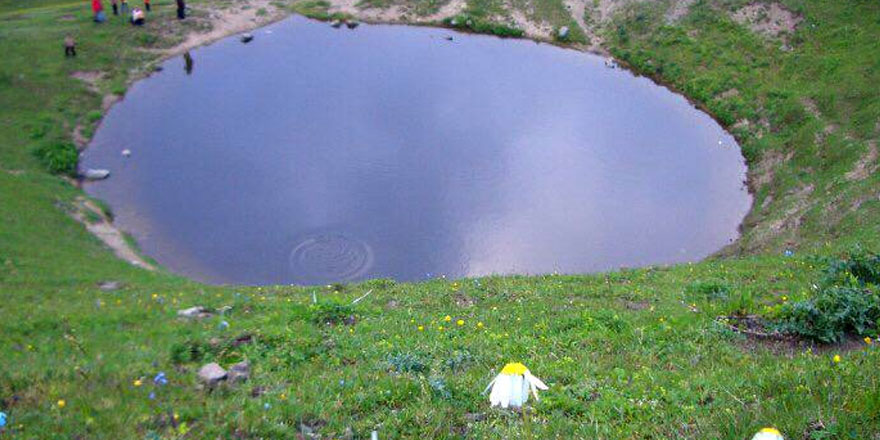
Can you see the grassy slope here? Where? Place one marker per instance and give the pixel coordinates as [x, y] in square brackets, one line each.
[625, 353]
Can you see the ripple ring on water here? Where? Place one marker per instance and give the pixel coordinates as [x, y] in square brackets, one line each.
[330, 257]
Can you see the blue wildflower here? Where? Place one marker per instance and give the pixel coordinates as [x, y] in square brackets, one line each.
[2, 419]
[266, 405]
[223, 325]
[788, 253]
[152, 395]
[160, 379]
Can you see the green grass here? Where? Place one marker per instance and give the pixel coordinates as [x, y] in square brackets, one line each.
[628, 354]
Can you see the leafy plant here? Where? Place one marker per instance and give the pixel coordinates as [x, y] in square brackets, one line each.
[482, 26]
[711, 289]
[332, 314]
[58, 157]
[408, 362]
[832, 313]
[859, 266]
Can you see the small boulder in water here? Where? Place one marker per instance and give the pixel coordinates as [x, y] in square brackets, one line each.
[352, 24]
[96, 174]
[336, 23]
[247, 38]
[126, 153]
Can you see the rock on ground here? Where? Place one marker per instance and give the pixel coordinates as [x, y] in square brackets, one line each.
[212, 374]
[239, 372]
[194, 312]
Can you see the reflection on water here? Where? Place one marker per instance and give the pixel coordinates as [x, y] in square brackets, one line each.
[315, 155]
[187, 63]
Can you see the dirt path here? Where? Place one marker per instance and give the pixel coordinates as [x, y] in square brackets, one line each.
[100, 226]
[231, 21]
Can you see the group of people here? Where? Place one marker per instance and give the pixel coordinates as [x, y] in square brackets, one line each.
[138, 15]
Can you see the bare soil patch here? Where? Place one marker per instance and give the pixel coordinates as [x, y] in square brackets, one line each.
[866, 165]
[772, 20]
[99, 225]
[91, 78]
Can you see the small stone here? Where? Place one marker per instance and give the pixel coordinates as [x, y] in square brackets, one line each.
[475, 417]
[563, 32]
[247, 38]
[96, 174]
[212, 374]
[109, 286]
[126, 152]
[239, 372]
[336, 23]
[348, 434]
[449, 38]
[194, 312]
[352, 24]
[243, 340]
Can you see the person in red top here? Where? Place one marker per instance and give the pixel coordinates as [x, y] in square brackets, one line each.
[147, 5]
[98, 9]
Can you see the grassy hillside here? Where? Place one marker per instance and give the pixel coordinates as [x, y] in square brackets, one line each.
[630, 354]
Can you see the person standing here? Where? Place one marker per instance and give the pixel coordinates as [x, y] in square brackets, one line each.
[98, 9]
[115, 7]
[181, 9]
[123, 8]
[137, 17]
[69, 46]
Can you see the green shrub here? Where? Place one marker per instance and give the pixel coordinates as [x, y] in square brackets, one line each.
[458, 360]
[58, 157]
[859, 267]
[711, 289]
[408, 362]
[332, 314]
[832, 313]
[94, 116]
[190, 351]
[481, 26]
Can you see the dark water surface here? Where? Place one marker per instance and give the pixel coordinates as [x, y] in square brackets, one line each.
[315, 154]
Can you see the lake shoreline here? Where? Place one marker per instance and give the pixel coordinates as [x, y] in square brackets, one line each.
[231, 22]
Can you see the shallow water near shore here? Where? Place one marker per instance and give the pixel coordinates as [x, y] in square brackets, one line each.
[315, 155]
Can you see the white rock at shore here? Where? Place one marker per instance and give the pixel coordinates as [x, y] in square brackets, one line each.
[96, 174]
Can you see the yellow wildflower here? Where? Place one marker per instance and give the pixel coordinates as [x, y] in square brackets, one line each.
[138, 382]
[62, 403]
[836, 359]
[479, 325]
[421, 328]
[868, 340]
[447, 318]
[460, 322]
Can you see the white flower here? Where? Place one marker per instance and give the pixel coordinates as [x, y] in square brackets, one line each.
[511, 387]
[768, 434]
